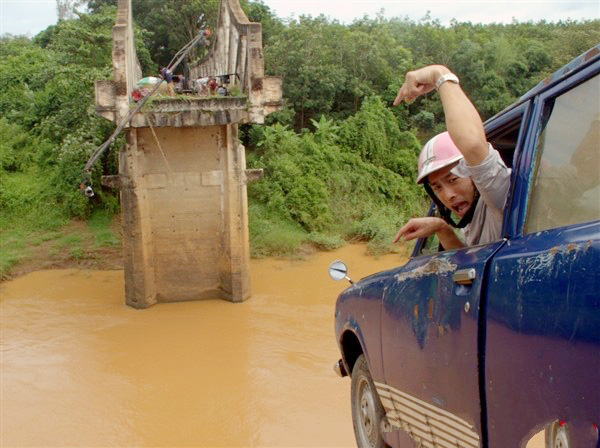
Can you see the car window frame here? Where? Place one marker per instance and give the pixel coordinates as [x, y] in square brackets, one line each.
[525, 111]
[527, 163]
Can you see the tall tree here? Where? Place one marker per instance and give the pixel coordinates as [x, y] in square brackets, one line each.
[169, 24]
[67, 9]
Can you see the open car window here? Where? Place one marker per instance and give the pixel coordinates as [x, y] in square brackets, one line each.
[505, 135]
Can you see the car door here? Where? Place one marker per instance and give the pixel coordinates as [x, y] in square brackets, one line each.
[430, 338]
[431, 335]
[542, 355]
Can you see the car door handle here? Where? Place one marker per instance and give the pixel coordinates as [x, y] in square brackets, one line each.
[464, 276]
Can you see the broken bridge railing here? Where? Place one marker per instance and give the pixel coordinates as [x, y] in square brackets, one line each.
[237, 51]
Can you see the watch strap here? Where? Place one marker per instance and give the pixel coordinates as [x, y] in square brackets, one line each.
[447, 77]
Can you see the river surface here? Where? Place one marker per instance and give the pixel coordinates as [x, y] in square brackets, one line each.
[80, 368]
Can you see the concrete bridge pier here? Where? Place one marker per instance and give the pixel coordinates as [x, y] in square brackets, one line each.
[182, 172]
[185, 217]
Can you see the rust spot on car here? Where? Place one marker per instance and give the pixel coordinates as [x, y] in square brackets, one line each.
[430, 308]
[553, 250]
[433, 266]
[416, 311]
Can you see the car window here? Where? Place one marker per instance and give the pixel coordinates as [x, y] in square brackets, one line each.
[566, 186]
[504, 137]
[505, 140]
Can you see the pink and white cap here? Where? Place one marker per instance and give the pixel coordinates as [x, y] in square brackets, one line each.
[438, 153]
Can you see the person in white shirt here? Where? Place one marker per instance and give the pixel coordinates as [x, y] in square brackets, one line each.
[460, 170]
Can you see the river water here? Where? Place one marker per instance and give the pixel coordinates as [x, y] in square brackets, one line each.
[80, 368]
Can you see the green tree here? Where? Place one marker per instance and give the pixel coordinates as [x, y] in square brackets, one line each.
[169, 25]
[258, 12]
[50, 93]
[341, 173]
[329, 68]
[67, 9]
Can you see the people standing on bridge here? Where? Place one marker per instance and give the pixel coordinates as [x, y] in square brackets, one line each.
[204, 37]
[459, 169]
[167, 75]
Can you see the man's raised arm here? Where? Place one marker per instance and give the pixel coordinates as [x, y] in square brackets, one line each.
[462, 119]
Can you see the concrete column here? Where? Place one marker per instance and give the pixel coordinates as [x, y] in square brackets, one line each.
[185, 215]
[235, 276]
[140, 287]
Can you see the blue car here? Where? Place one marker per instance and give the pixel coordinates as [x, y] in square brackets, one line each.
[489, 345]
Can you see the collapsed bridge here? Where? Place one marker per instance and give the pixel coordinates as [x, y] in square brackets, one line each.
[182, 172]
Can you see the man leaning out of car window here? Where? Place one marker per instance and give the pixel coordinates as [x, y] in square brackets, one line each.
[459, 169]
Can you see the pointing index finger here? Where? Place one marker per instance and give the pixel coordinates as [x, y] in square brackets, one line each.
[401, 95]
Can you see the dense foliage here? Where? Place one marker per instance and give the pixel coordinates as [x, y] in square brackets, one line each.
[329, 68]
[355, 179]
[339, 162]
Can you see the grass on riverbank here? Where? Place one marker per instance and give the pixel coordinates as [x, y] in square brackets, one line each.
[35, 233]
[41, 239]
[270, 235]
[47, 240]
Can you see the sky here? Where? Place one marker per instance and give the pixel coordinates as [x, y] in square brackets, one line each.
[29, 17]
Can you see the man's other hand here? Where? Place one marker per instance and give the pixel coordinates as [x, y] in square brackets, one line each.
[419, 228]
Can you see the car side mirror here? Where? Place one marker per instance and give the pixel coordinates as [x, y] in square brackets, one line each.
[338, 271]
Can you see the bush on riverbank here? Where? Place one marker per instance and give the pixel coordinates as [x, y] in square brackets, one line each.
[348, 180]
[49, 128]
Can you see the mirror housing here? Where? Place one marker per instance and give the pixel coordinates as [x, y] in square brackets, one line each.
[338, 271]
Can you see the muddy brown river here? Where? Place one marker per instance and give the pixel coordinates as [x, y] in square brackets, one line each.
[80, 368]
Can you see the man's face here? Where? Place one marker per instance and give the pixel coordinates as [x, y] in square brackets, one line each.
[456, 193]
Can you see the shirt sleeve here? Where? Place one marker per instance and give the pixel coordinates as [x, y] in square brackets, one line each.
[492, 179]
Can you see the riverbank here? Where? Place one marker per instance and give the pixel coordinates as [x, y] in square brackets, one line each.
[96, 244]
[91, 244]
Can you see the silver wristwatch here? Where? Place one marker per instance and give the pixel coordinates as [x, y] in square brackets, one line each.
[447, 77]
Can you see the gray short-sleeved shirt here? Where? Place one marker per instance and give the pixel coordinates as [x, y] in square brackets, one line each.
[492, 179]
